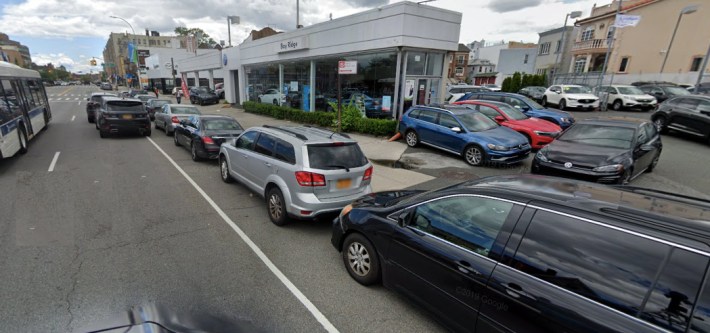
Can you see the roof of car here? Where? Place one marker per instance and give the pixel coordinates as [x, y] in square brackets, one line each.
[213, 116]
[643, 207]
[615, 121]
[99, 93]
[306, 133]
[116, 98]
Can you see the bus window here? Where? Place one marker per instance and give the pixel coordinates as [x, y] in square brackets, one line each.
[35, 88]
[8, 100]
[27, 95]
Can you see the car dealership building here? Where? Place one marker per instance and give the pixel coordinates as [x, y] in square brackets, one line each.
[400, 52]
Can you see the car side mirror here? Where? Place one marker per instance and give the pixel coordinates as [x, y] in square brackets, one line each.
[402, 218]
[499, 119]
[645, 147]
[456, 129]
[88, 99]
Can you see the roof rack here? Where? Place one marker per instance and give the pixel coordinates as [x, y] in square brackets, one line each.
[298, 135]
[327, 130]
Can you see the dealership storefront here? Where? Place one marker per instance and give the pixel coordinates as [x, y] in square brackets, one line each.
[400, 51]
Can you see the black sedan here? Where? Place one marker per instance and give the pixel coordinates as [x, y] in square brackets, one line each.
[611, 150]
[204, 134]
[153, 105]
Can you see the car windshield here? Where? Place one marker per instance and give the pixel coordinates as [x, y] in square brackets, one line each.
[476, 122]
[335, 156]
[630, 91]
[512, 112]
[577, 90]
[221, 124]
[599, 135]
[184, 110]
[202, 90]
[159, 102]
[676, 91]
[124, 106]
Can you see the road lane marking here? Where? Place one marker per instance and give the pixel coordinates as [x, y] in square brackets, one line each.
[327, 325]
[73, 117]
[64, 92]
[67, 98]
[54, 162]
[78, 103]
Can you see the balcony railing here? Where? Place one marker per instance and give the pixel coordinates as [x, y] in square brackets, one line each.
[590, 45]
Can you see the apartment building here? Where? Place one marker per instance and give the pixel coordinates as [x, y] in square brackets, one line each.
[14, 52]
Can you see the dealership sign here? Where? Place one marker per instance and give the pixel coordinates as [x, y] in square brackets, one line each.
[347, 67]
[292, 44]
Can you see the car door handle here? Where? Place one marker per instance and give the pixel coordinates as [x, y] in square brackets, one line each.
[267, 164]
[513, 289]
[464, 267]
[245, 156]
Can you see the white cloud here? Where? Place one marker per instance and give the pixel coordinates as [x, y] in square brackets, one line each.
[61, 59]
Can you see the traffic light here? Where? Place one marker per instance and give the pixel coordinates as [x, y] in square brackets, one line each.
[92, 62]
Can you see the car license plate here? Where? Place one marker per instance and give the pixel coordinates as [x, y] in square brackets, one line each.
[343, 183]
[127, 116]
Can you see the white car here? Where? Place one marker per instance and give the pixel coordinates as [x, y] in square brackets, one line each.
[570, 96]
[272, 96]
[492, 87]
[621, 96]
[456, 91]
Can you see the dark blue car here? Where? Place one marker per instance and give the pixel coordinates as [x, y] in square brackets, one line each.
[463, 131]
[526, 105]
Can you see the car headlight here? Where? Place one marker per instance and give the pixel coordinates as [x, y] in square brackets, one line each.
[564, 120]
[609, 168]
[571, 99]
[541, 155]
[497, 147]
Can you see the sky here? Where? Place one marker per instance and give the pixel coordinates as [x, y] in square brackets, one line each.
[72, 32]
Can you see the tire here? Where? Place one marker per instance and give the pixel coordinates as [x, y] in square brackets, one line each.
[474, 155]
[175, 140]
[412, 138]
[200, 102]
[617, 105]
[103, 134]
[626, 177]
[224, 170]
[148, 132]
[89, 119]
[661, 124]
[276, 207]
[653, 163]
[544, 101]
[168, 133]
[193, 153]
[22, 137]
[562, 105]
[360, 259]
[276, 102]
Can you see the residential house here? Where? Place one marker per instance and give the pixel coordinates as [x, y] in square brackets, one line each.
[458, 64]
[550, 52]
[638, 52]
[521, 60]
[482, 72]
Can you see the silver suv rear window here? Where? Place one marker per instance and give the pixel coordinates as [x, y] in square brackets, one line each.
[335, 156]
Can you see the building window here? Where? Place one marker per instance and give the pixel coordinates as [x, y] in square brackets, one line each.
[460, 60]
[588, 34]
[624, 64]
[525, 60]
[557, 47]
[610, 33]
[459, 71]
[579, 65]
[695, 64]
[545, 48]
[540, 71]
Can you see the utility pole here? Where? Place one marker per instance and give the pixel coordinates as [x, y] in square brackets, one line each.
[610, 42]
[172, 70]
[701, 71]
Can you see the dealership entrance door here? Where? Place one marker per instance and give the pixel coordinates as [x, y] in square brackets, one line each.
[422, 90]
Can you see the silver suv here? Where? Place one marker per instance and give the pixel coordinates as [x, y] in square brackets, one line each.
[301, 171]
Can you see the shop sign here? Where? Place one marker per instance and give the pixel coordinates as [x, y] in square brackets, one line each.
[347, 67]
[143, 53]
[292, 44]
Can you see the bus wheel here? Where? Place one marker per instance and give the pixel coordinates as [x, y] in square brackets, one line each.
[23, 139]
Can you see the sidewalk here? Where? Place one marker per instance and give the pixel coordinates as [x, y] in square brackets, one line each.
[378, 150]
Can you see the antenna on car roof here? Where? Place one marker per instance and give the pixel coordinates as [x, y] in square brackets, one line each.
[298, 135]
[327, 130]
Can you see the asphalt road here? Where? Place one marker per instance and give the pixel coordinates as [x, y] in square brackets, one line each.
[115, 224]
[683, 167]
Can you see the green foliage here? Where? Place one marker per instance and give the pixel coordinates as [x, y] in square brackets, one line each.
[516, 82]
[352, 120]
[519, 81]
[205, 40]
[506, 84]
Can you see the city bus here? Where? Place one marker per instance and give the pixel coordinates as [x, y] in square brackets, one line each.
[24, 108]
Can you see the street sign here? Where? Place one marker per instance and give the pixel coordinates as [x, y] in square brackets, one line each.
[347, 67]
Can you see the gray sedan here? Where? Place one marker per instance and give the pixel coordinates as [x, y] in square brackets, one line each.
[170, 115]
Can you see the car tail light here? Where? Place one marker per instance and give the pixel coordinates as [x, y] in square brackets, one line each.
[207, 140]
[305, 178]
[368, 174]
[175, 119]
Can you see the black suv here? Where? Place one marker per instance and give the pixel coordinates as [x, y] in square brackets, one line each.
[687, 114]
[202, 96]
[537, 254]
[663, 92]
[93, 103]
[122, 115]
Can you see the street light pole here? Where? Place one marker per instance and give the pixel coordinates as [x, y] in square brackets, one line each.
[138, 71]
[574, 14]
[230, 21]
[701, 71]
[686, 10]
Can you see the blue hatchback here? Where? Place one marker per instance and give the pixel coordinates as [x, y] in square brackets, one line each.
[463, 131]
[526, 105]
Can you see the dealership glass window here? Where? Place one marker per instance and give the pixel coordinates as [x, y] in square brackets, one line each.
[261, 78]
[425, 63]
[296, 78]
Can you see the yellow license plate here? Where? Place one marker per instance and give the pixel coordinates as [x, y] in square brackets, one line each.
[127, 116]
[343, 183]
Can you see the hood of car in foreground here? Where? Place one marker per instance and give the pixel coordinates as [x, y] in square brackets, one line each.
[384, 199]
[501, 135]
[582, 154]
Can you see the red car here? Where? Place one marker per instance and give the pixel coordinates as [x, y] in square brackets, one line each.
[539, 132]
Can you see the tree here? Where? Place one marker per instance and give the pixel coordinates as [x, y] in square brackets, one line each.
[204, 42]
[516, 82]
[506, 85]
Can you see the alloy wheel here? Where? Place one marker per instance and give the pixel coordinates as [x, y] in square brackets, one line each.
[359, 259]
[412, 138]
[474, 155]
[275, 206]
